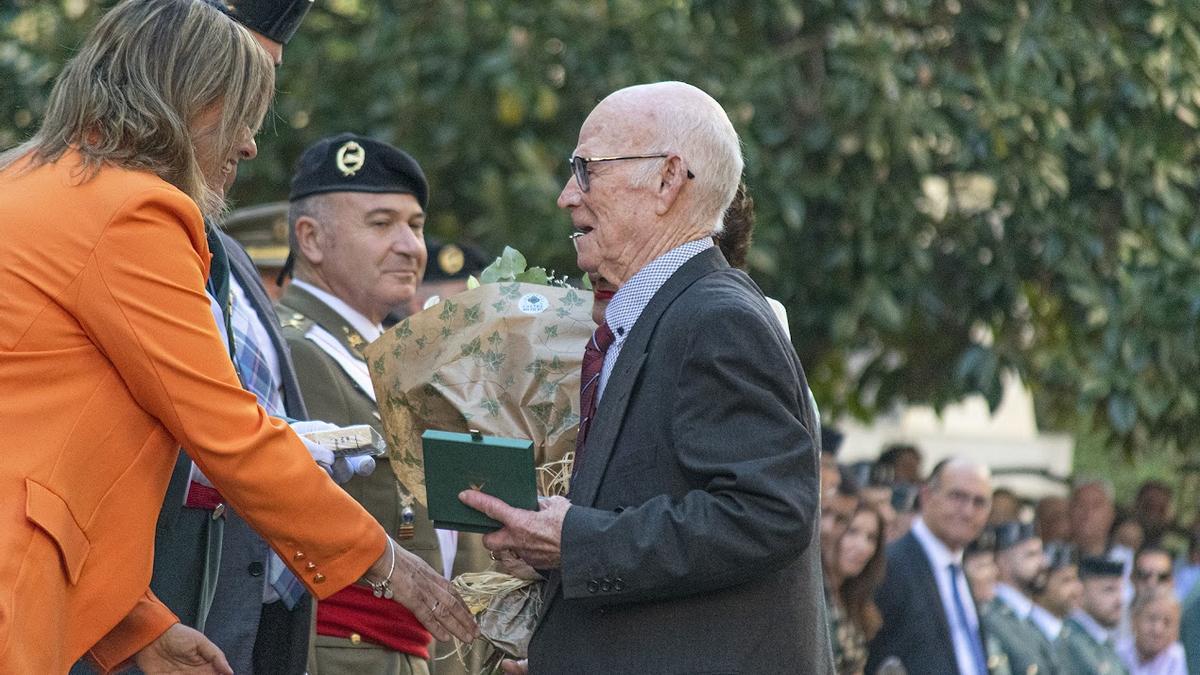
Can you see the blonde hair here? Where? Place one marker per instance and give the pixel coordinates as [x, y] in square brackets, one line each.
[138, 84]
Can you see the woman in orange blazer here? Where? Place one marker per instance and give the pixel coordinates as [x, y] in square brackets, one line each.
[110, 359]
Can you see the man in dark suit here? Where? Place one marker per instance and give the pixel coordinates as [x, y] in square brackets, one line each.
[930, 622]
[689, 541]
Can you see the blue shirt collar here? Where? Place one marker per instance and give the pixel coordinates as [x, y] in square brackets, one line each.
[632, 297]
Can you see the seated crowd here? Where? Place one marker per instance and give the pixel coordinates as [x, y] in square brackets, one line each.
[947, 573]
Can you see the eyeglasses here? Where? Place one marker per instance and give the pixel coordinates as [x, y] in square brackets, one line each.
[579, 166]
[1160, 577]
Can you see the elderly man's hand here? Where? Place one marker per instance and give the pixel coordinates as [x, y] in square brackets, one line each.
[535, 536]
[182, 650]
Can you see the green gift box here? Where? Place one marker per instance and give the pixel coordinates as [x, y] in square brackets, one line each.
[501, 467]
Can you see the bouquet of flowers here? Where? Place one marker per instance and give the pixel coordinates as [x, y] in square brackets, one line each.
[503, 358]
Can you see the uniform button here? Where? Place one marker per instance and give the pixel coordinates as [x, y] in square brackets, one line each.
[618, 584]
[299, 556]
[255, 569]
[318, 578]
[355, 638]
[592, 586]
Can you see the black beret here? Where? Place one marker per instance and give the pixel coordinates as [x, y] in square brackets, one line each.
[276, 19]
[1060, 554]
[1008, 535]
[1095, 566]
[453, 261]
[352, 163]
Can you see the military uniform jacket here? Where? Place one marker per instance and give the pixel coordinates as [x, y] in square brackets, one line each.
[1080, 653]
[333, 395]
[1027, 649]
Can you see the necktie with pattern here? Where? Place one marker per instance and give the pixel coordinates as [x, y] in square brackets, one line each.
[589, 383]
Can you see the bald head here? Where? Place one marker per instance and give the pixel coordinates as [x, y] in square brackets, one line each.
[660, 165]
[955, 501]
[675, 116]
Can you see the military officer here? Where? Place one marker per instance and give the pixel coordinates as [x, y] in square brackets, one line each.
[1021, 569]
[1061, 593]
[1086, 645]
[356, 226]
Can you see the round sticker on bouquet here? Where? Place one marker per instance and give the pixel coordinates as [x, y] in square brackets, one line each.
[533, 303]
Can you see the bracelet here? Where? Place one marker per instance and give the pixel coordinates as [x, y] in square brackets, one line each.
[383, 589]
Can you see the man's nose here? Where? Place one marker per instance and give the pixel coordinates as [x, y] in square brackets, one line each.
[570, 194]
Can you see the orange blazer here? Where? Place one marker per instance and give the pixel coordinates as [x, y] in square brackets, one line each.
[109, 362]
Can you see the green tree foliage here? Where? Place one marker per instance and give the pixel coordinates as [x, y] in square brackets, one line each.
[946, 189]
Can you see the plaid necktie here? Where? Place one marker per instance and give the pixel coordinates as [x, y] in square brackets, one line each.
[589, 383]
[257, 379]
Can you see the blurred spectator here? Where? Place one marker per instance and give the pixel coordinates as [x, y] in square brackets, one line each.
[1091, 512]
[875, 488]
[1006, 507]
[853, 571]
[1127, 535]
[979, 566]
[1152, 569]
[904, 462]
[1061, 594]
[1086, 645]
[1050, 519]
[1154, 648]
[930, 624]
[1021, 572]
[1187, 569]
[904, 504]
[836, 511]
[831, 476]
[1154, 510]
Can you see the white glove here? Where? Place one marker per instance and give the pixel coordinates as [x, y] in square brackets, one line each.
[341, 469]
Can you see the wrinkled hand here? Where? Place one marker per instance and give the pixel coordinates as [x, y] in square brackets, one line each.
[535, 536]
[430, 598]
[341, 469]
[510, 564]
[182, 650]
[511, 667]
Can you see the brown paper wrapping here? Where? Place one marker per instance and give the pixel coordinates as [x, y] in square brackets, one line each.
[502, 358]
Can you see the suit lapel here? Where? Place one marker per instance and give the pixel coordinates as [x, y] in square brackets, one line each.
[611, 411]
[928, 588]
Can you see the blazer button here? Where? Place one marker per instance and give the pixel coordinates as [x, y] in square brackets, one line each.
[318, 578]
[299, 556]
[255, 569]
[606, 586]
[311, 566]
[593, 586]
[618, 584]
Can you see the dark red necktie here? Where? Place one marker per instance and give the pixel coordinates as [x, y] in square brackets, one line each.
[589, 384]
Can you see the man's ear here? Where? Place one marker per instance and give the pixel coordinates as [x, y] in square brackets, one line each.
[671, 179]
[312, 238]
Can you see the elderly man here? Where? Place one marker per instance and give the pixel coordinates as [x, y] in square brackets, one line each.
[689, 543]
[357, 218]
[929, 622]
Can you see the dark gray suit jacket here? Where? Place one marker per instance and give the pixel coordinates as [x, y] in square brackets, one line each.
[691, 545]
[915, 627]
[179, 548]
